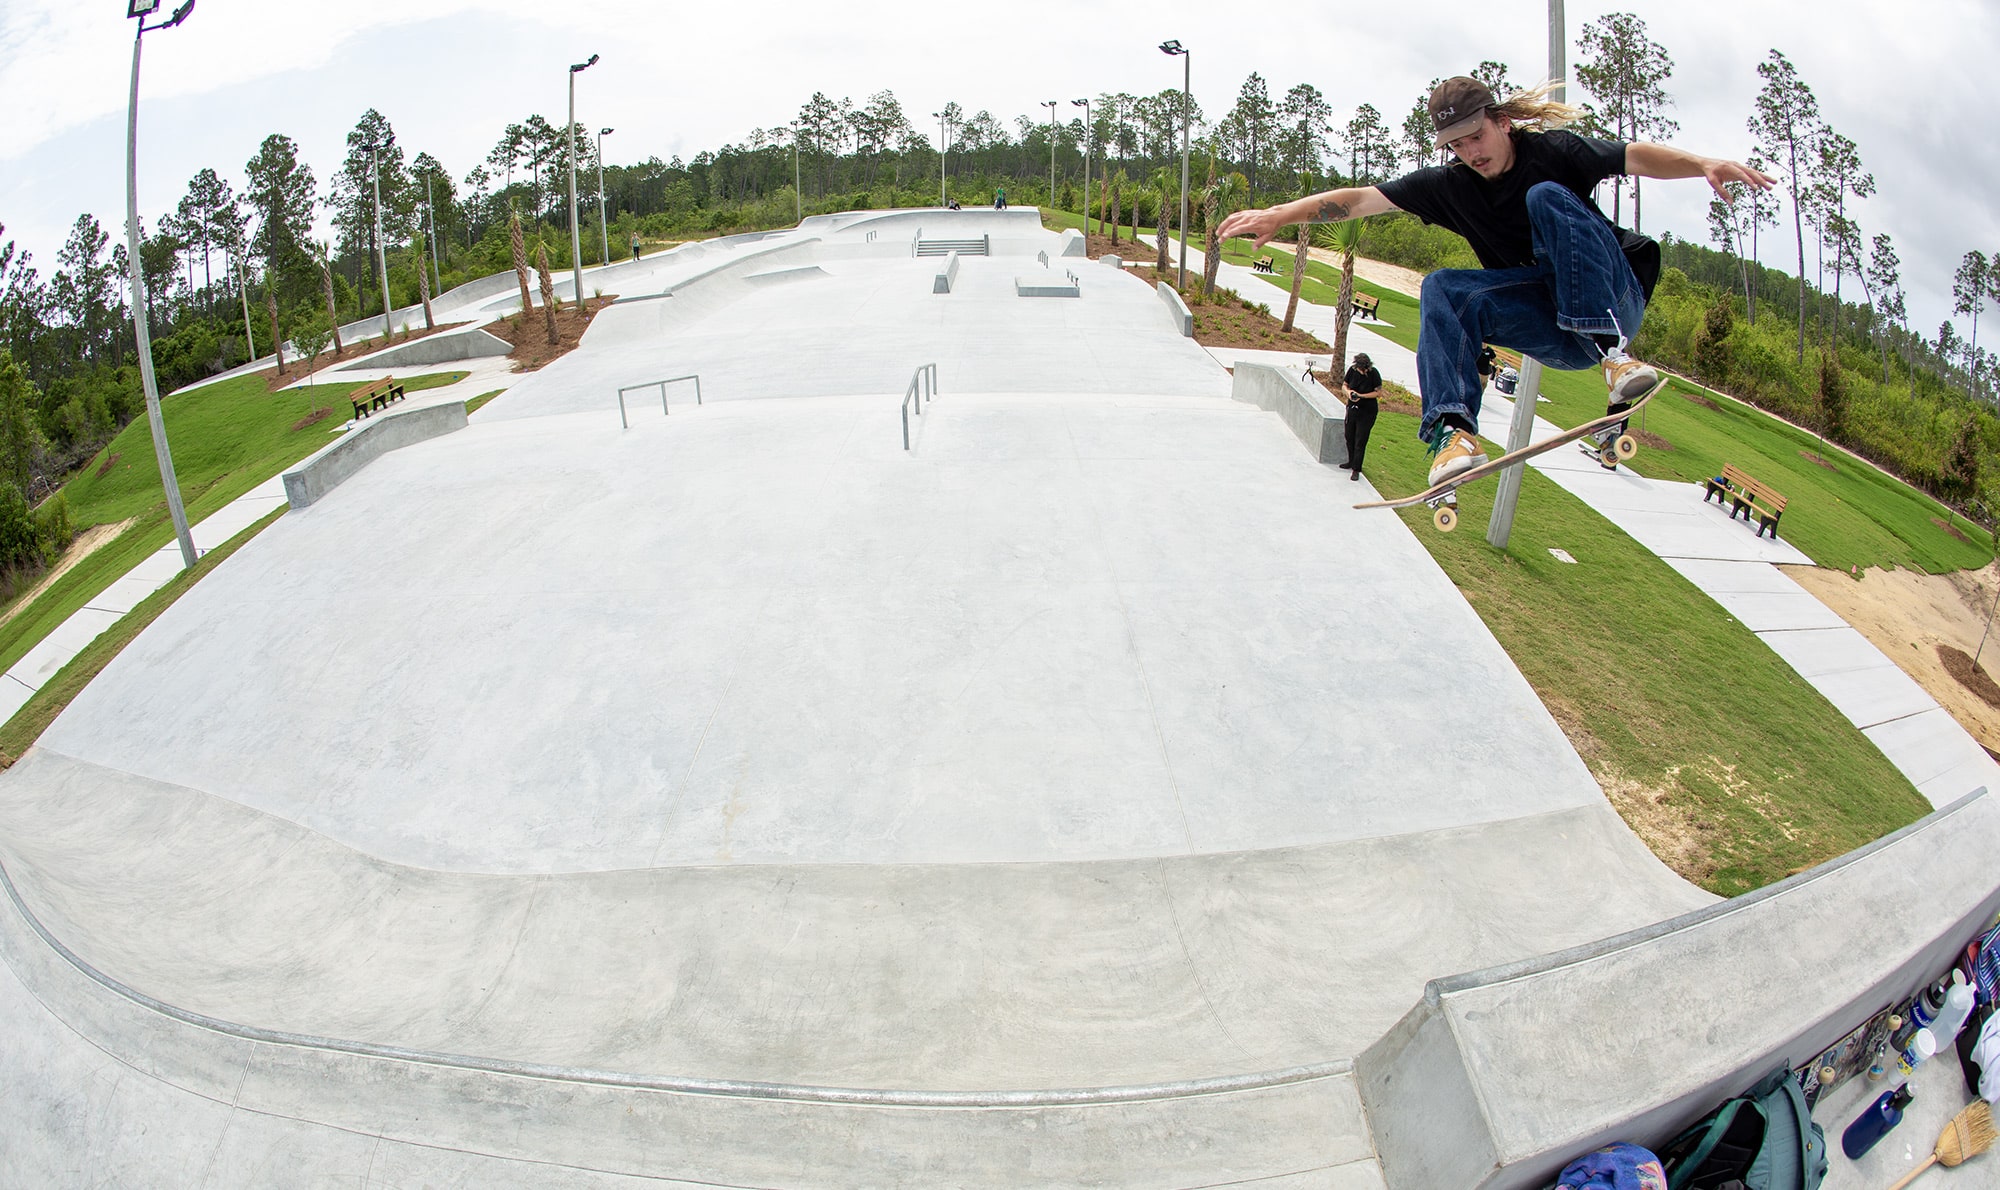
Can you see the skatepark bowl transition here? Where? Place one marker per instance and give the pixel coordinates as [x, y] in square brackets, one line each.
[737, 796]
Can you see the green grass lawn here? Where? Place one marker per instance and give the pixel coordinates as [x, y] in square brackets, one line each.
[227, 438]
[1627, 654]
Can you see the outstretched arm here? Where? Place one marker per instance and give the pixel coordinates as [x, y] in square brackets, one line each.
[1332, 206]
[1646, 160]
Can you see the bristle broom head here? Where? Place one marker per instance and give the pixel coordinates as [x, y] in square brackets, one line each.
[1969, 1134]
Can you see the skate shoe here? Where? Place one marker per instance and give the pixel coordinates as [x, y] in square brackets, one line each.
[1452, 451]
[1627, 379]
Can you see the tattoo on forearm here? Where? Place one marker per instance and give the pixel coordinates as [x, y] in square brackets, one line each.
[1330, 211]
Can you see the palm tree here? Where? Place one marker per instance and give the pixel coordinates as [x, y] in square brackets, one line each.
[1299, 257]
[548, 289]
[424, 287]
[1164, 180]
[1343, 237]
[271, 312]
[1117, 186]
[520, 260]
[1218, 198]
[326, 284]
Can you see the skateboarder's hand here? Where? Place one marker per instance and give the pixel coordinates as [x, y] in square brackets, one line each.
[1259, 225]
[1720, 173]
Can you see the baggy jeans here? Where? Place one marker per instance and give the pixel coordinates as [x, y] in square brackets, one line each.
[1579, 286]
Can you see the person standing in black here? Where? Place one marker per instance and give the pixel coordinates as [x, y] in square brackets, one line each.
[1364, 384]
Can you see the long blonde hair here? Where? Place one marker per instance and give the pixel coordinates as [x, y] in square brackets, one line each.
[1534, 111]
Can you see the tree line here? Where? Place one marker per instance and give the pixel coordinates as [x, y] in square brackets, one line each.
[234, 267]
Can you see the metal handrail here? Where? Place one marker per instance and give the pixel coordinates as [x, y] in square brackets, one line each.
[662, 385]
[923, 383]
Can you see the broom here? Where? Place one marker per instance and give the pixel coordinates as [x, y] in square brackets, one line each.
[1969, 1134]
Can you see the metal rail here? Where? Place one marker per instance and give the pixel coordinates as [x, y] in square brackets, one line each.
[923, 383]
[662, 386]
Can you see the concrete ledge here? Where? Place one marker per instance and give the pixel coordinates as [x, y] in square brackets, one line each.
[1072, 243]
[1048, 285]
[1303, 406]
[1176, 308]
[470, 343]
[946, 276]
[327, 469]
[1499, 1077]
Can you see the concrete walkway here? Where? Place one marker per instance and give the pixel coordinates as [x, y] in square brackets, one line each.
[1723, 558]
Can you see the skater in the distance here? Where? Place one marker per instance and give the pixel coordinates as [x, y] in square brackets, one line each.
[1559, 282]
[1364, 391]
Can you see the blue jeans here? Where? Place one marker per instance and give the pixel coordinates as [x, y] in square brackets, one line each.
[1548, 310]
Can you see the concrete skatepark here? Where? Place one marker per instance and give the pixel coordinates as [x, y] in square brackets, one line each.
[743, 799]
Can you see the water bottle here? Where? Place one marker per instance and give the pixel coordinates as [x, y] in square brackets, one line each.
[1874, 1123]
[1957, 1006]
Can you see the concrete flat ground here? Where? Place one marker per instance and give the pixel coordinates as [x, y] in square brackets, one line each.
[1093, 741]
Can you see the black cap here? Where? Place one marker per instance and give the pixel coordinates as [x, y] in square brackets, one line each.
[1457, 107]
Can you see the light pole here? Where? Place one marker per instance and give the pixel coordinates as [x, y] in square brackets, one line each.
[575, 233]
[603, 228]
[1176, 49]
[944, 146]
[798, 195]
[141, 9]
[1507, 494]
[381, 249]
[430, 217]
[1051, 105]
[1089, 134]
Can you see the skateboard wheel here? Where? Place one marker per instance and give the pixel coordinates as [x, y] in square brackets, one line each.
[1445, 518]
[1608, 455]
[1626, 447]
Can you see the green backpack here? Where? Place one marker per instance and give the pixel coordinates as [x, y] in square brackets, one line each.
[1764, 1139]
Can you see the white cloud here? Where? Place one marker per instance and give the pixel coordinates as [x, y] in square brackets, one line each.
[450, 74]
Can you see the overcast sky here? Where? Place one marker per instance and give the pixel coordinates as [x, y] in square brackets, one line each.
[1908, 82]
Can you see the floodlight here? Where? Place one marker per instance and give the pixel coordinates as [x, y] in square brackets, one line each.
[141, 8]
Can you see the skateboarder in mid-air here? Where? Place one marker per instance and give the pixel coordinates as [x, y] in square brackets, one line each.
[1559, 282]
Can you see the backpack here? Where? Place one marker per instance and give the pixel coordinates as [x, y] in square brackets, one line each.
[1764, 1139]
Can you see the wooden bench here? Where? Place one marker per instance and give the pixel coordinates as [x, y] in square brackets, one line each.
[1748, 496]
[375, 394]
[1264, 264]
[1365, 305]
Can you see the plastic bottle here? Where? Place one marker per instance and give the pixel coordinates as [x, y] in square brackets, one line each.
[1875, 1122]
[1957, 1007]
[1922, 1045]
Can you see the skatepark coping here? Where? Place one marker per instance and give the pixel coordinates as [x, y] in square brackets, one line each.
[1498, 1077]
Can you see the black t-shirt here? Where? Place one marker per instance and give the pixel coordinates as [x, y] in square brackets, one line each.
[1493, 215]
[1363, 382]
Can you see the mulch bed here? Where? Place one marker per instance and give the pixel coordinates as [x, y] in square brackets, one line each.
[1959, 665]
[1952, 529]
[530, 339]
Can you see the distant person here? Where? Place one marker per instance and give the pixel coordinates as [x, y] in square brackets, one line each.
[1558, 281]
[952, 205]
[1364, 405]
[1000, 198]
[635, 245]
[1488, 364]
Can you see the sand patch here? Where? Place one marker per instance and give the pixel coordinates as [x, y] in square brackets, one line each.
[1910, 616]
[86, 543]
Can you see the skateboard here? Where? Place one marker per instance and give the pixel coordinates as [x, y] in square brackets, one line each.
[1614, 446]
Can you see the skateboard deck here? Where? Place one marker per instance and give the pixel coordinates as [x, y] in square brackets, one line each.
[1443, 497]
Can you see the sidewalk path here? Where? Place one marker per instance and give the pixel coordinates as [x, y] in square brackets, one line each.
[1727, 562]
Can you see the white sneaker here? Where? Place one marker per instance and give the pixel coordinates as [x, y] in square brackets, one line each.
[1627, 379]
